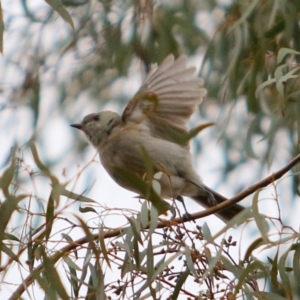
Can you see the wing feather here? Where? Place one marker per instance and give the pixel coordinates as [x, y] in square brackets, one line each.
[167, 98]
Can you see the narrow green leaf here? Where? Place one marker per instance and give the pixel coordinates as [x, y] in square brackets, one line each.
[165, 264]
[6, 210]
[8, 174]
[41, 166]
[71, 264]
[157, 272]
[101, 238]
[136, 253]
[153, 220]
[136, 230]
[127, 264]
[263, 85]
[231, 266]
[189, 261]
[128, 178]
[179, 283]
[281, 82]
[90, 238]
[53, 277]
[274, 271]
[74, 281]
[251, 268]
[87, 259]
[10, 253]
[206, 233]
[212, 261]
[59, 8]
[144, 215]
[96, 283]
[158, 287]
[8, 236]
[70, 240]
[296, 260]
[49, 215]
[74, 196]
[286, 285]
[255, 244]
[261, 223]
[267, 296]
[150, 261]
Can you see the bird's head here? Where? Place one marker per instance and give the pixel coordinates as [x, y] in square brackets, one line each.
[98, 126]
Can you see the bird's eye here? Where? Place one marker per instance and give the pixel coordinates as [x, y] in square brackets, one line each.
[96, 118]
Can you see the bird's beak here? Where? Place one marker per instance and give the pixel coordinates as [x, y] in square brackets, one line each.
[78, 126]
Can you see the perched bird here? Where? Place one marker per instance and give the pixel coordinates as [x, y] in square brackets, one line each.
[152, 136]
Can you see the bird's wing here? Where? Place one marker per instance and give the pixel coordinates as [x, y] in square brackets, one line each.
[167, 99]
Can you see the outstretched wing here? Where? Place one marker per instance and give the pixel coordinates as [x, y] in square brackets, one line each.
[167, 99]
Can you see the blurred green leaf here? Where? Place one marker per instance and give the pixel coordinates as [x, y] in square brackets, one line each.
[261, 222]
[150, 261]
[71, 264]
[251, 268]
[128, 178]
[8, 236]
[1, 29]
[267, 295]
[10, 253]
[6, 210]
[144, 215]
[41, 166]
[296, 260]
[286, 284]
[206, 233]
[59, 8]
[179, 283]
[101, 237]
[254, 245]
[96, 283]
[8, 174]
[70, 240]
[53, 277]
[190, 261]
[136, 230]
[63, 192]
[74, 281]
[49, 215]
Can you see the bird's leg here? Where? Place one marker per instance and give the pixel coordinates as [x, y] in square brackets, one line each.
[187, 215]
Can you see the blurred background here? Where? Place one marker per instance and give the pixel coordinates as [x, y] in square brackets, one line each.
[64, 59]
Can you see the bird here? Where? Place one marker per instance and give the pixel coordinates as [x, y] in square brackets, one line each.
[152, 137]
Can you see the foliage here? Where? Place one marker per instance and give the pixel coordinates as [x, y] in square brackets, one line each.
[147, 258]
[63, 58]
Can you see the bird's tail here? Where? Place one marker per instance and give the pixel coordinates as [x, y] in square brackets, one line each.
[210, 198]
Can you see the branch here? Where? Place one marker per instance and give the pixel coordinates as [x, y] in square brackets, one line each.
[120, 231]
[245, 193]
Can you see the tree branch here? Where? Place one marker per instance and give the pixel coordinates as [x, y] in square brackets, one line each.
[245, 193]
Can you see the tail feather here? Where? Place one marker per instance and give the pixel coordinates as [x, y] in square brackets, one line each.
[212, 198]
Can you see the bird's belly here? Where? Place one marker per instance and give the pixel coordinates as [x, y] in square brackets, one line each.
[139, 153]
